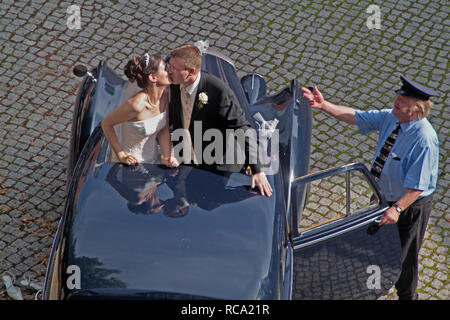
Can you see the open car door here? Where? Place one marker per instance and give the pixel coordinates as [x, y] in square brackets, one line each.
[339, 252]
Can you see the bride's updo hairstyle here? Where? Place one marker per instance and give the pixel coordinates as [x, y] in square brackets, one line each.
[138, 68]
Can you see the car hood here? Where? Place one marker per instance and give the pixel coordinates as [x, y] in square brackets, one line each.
[125, 233]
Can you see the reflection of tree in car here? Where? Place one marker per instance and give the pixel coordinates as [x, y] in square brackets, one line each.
[91, 272]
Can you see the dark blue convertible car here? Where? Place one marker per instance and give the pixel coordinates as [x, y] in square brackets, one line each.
[125, 235]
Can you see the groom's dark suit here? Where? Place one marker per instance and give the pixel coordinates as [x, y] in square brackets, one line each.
[221, 112]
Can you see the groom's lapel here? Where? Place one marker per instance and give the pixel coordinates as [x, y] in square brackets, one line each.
[178, 107]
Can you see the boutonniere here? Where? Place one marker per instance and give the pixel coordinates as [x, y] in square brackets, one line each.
[202, 100]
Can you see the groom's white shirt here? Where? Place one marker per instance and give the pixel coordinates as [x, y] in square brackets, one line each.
[192, 89]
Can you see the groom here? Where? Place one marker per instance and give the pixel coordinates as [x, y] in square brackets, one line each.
[199, 98]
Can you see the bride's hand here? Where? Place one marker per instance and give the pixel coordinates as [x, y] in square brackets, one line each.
[127, 158]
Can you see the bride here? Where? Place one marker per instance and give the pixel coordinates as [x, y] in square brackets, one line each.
[144, 117]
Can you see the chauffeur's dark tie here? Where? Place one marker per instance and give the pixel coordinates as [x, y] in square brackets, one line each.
[378, 164]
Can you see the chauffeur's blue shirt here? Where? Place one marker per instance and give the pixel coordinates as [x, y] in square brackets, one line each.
[414, 159]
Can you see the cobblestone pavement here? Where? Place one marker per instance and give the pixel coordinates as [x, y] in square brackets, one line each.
[327, 43]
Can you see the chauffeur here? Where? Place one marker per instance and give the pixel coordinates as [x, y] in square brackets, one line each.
[405, 165]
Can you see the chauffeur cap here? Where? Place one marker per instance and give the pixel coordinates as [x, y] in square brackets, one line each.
[415, 90]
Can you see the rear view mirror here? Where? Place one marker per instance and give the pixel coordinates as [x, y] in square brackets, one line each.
[80, 70]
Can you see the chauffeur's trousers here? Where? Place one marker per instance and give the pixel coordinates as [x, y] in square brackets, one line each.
[411, 226]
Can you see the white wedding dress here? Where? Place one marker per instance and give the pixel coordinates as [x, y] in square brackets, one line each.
[139, 138]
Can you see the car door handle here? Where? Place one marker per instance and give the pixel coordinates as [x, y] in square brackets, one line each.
[373, 228]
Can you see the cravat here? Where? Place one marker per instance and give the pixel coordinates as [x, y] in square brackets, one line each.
[187, 113]
[187, 107]
[378, 164]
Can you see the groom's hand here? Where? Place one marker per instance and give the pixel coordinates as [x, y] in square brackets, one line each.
[260, 180]
[173, 162]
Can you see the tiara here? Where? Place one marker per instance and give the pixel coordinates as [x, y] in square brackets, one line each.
[147, 60]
